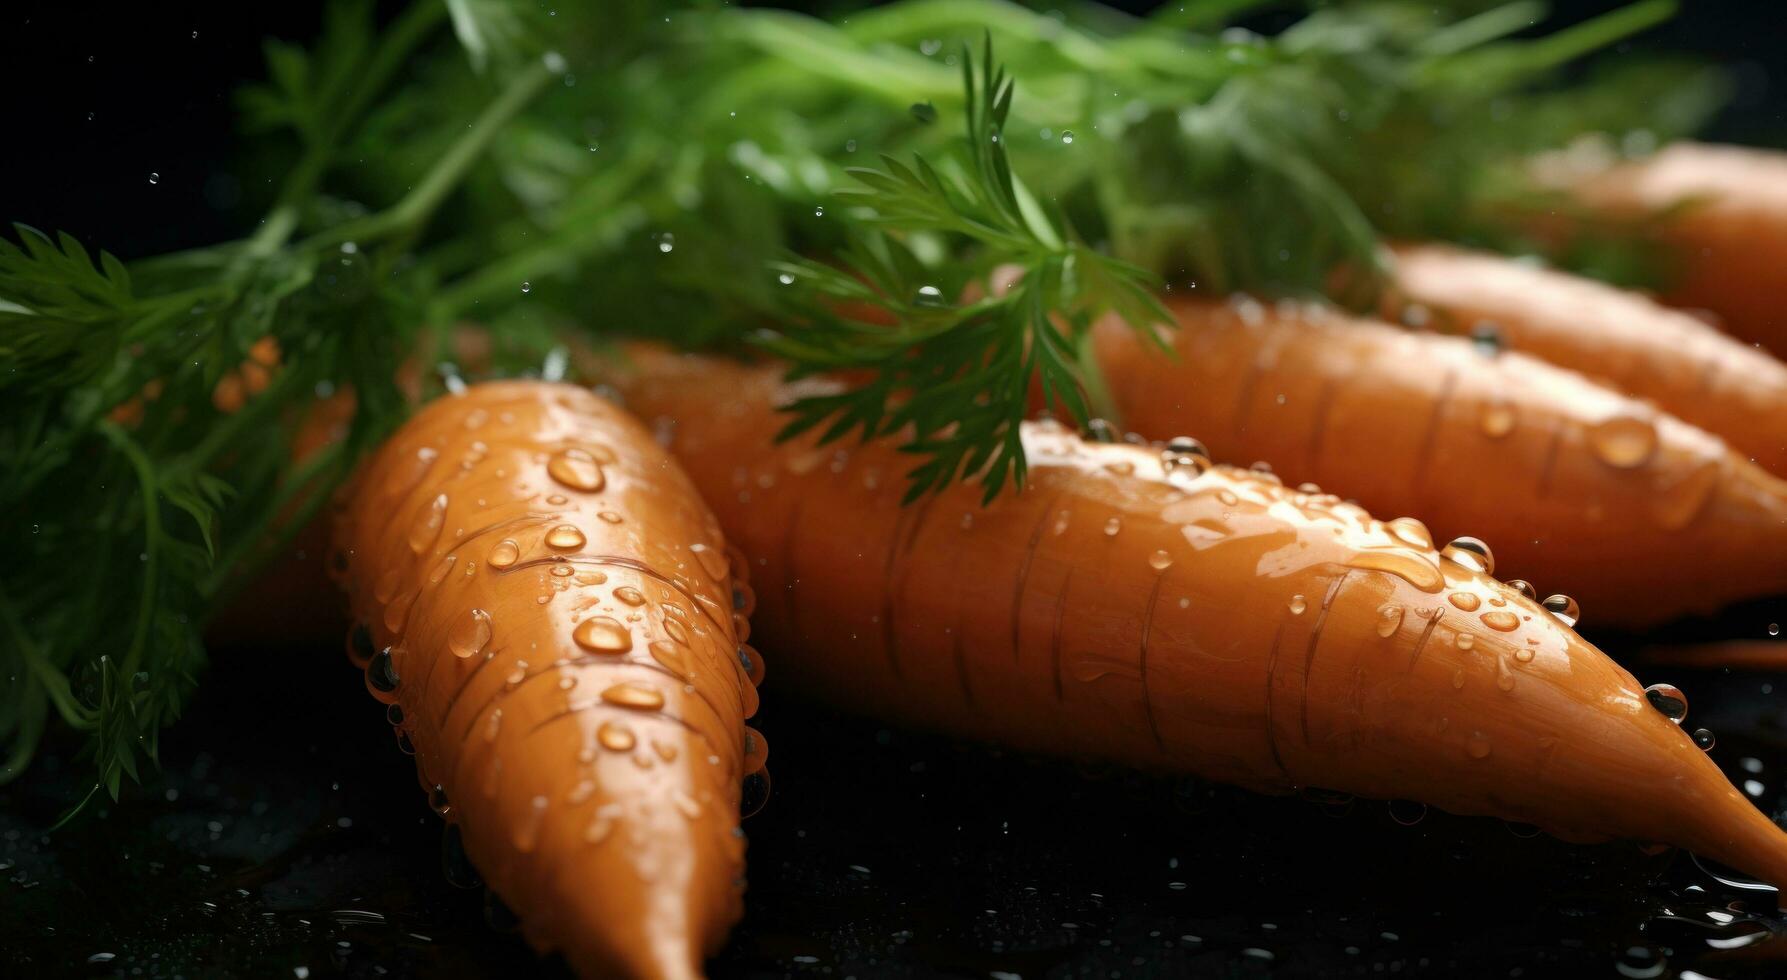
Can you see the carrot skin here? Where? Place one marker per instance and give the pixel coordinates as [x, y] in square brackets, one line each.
[553, 603]
[1621, 338]
[1579, 489]
[1215, 623]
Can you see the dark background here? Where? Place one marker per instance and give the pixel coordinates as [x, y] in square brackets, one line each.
[98, 96]
[286, 833]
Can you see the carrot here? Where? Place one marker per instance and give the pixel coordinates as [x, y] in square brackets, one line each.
[550, 608]
[1721, 214]
[1629, 341]
[1139, 605]
[1589, 492]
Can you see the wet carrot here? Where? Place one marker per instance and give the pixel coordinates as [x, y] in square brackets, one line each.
[1721, 213]
[1624, 339]
[550, 609]
[1139, 605]
[1583, 490]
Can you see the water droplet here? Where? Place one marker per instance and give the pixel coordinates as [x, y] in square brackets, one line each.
[1477, 746]
[1112, 526]
[685, 804]
[1624, 442]
[359, 645]
[1497, 419]
[493, 724]
[504, 554]
[610, 516]
[1389, 619]
[565, 536]
[676, 631]
[437, 800]
[713, 561]
[428, 524]
[1067, 137]
[1524, 655]
[1099, 430]
[576, 469]
[633, 694]
[527, 833]
[394, 715]
[1504, 678]
[666, 243]
[1523, 587]
[601, 826]
[1160, 561]
[562, 569]
[1411, 532]
[470, 634]
[1668, 699]
[1466, 641]
[752, 662]
[602, 634]
[1501, 620]
[1407, 812]
[786, 279]
[1466, 601]
[1564, 608]
[1704, 738]
[442, 568]
[1298, 605]
[1185, 455]
[154, 178]
[1774, 629]
[630, 596]
[381, 673]
[1421, 573]
[670, 657]
[527, 287]
[397, 612]
[615, 737]
[1472, 553]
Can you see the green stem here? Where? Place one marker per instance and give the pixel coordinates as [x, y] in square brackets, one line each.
[416, 206]
[145, 473]
[1098, 390]
[402, 38]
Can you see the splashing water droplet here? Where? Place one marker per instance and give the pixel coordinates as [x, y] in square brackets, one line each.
[565, 536]
[1564, 608]
[576, 469]
[603, 634]
[1472, 553]
[470, 634]
[633, 694]
[1389, 619]
[1623, 443]
[1668, 699]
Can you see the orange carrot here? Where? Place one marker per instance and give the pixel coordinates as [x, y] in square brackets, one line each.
[1721, 213]
[1636, 345]
[1139, 605]
[1586, 491]
[552, 610]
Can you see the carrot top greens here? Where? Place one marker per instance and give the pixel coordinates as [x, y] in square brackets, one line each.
[712, 176]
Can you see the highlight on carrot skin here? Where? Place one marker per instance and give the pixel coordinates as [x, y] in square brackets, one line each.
[1150, 454]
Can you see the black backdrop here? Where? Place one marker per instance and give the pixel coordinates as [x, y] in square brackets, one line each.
[285, 831]
[96, 97]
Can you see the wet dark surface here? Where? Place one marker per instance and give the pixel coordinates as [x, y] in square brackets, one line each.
[286, 837]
